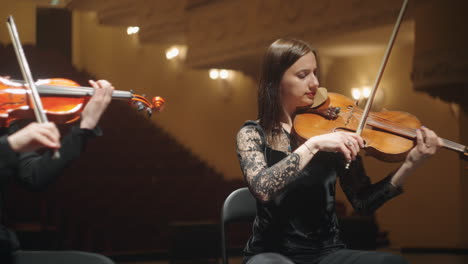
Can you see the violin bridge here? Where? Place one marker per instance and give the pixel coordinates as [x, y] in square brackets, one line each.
[350, 115]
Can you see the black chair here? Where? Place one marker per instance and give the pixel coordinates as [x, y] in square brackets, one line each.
[239, 206]
[59, 257]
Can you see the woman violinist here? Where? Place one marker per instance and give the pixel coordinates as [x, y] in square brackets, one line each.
[19, 159]
[294, 182]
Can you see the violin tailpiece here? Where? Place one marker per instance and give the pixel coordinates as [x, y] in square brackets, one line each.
[330, 113]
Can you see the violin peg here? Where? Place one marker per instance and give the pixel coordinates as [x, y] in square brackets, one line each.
[464, 155]
[140, 106]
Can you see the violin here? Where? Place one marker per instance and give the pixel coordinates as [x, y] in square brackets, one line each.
[62, 100]
[388, 135]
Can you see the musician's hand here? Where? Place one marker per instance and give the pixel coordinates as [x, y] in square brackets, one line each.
[347, 143]
[97, 104]
[35, 136]
[427, 145]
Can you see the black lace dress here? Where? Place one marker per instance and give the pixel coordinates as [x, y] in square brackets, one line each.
[300, 221]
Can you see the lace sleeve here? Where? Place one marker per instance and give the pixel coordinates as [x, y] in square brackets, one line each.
[363, 195]
[264, 182]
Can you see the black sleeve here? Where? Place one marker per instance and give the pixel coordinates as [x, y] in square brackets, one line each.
[363, 195]
[8, 158]
[35, 170]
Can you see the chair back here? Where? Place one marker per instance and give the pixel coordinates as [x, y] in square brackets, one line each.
[239, 206]
[59, 257]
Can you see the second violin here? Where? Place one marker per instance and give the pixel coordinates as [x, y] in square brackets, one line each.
[62, 99]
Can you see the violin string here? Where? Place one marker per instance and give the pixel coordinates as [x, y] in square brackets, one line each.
[88, 91]
[74, 90]
[397, 127]
[412, 132]
[77, 91]
[392, 126]
[387, 124]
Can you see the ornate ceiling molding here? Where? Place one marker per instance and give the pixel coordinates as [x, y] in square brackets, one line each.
[163, 22]
[221, 32]
[121, 13]
[159, 21]
[90, 5]
[234, 34]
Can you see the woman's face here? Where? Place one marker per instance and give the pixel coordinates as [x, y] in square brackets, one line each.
[299, 83]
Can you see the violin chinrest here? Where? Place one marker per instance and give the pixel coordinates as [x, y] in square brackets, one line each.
[320, 97]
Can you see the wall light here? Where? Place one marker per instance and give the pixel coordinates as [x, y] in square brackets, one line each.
[366, 91]
[214, 74]
[361, 96]
[363, 92]
[356, 93]
[223, 81]
[172, 53]
[132, 30]
[223, 74]
[219, 73]
[176, 54]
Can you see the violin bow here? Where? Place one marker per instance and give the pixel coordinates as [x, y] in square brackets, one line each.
[363, 121]
[25, 70]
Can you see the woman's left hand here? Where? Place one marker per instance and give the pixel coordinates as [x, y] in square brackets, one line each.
[97, 104]
[427, 145]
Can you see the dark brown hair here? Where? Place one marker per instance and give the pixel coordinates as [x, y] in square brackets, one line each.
[281, 55]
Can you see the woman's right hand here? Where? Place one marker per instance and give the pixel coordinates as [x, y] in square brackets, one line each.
[35, 136]
[344, 142]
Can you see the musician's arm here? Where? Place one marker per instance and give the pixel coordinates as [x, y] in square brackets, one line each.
[8, 157]
[35, 170]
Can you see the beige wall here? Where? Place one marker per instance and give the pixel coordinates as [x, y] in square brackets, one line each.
[24, 14]
[201, 113]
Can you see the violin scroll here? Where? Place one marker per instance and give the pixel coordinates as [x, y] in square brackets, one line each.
[158, 103]
[141, 103]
